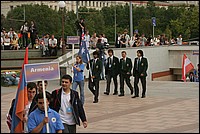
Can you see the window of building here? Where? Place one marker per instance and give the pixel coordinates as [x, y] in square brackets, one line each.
[86, 3]
[100, 4]
[93, 4]
[97, 4]
[89, 3]
[51, 6]
[56, 8]
[11, 7]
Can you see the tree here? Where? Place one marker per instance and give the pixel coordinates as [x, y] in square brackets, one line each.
[46, 19]
[171, 21]
[187, 24]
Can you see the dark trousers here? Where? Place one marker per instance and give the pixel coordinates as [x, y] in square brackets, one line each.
[80, 35]
[92, 85]
[136, 81]
[69, 128]
[53, 51]
[128, 82]
[7, 47]
[109, 77]
[25, 39]
[32, 39]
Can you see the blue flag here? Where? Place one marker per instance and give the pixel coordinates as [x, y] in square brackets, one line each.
[84, 52]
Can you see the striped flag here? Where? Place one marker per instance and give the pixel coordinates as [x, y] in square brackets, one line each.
[186, 67]
[21, 101]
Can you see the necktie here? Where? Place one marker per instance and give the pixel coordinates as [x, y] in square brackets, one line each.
[123, 63]
[94, 63]
[110, 61]
[138, 63]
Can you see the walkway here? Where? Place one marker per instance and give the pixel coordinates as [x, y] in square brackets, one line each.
[170, 107]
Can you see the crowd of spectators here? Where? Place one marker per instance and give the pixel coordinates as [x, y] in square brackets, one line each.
[124, 40]
[49, 45]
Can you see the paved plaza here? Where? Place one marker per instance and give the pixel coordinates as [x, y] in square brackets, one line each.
[169, 107]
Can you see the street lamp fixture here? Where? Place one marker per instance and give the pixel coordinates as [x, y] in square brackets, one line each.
[61, 5]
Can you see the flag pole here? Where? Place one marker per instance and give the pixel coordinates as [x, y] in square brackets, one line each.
[90, 68]
[72, 59]
[45, 105]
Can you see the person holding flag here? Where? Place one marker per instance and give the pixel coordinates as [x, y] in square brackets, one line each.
[32, 89]
[78, 78]
[187, 66]
[37, 119]
[95, 67]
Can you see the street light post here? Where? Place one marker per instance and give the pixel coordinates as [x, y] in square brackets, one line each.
[131, 20]
[115, 24]
[61, 5]
[77, 13]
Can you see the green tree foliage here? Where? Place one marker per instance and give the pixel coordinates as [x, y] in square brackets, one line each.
[170, 21]
[187, 23]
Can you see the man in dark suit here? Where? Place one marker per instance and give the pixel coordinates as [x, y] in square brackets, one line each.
[95, 68]
[111, 71]
[125, 66]
[139, 72]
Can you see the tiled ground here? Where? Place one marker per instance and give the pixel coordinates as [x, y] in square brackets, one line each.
[170, 107]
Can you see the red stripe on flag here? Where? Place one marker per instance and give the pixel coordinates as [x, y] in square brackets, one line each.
[186, 67]
[21, 101]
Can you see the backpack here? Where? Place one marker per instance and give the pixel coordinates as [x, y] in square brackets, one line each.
[54, 103]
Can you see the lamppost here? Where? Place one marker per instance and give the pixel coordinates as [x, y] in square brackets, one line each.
[77, 13]
[61, 5]
[115, 24]
[131, 20]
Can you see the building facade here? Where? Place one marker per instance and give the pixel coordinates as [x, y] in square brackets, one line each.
[69, 5]
[72, 5]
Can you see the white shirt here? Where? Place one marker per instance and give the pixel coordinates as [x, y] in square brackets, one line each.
[179, 41]
[1, 40]
[53, 42]
[66, 118]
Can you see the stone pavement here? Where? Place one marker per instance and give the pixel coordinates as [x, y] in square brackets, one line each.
[170, 107]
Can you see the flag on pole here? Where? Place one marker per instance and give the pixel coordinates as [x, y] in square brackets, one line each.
[186, 67]
[21, 101]
[83, 51]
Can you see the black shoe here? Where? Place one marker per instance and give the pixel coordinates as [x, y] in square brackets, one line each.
[106, 93]
[143, 96]
[134, 96]
[121, 95]
[115, 93]
[95, 101]
[131, 91]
